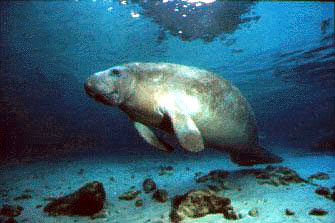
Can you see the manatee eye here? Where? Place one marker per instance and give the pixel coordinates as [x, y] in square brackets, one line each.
[116, 72]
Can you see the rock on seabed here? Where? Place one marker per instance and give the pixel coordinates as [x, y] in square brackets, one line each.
[87, 201]
[199, 203]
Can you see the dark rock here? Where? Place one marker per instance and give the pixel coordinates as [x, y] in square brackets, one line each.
[139, 203]
[23, 197]
[87, 201]
[11, 210]
[318, 212]
[38, 206]
[202, 179]
[100, 215]
[175, 217]
[278, 176]
[149, 185]
[288, 212]
[232, 215]
[214, 188]
[319, 176]
[214, 175]
[253, 212]
[218, 174]
[332, 196]
[263, 176]
[166, 170]
[323, 191]
[160, 195]
[129, 195]
[11, 220]
[199, 203]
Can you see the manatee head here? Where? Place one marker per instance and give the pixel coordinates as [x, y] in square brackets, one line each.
[111, 86]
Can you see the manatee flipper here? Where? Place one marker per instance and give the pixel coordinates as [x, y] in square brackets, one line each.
[151, 138]
[256, 155]
[188, 134]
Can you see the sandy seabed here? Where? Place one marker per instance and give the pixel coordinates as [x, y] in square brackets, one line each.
[118, 173]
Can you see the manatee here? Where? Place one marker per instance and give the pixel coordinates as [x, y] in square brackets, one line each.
[196, 106]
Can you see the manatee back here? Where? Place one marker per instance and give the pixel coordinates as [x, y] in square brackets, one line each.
[208, 87]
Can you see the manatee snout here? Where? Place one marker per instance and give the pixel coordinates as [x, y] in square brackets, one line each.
[88, 89]
[95, 86]
[103, 87]
[90, 85]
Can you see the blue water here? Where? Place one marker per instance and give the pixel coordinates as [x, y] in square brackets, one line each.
[280, 54]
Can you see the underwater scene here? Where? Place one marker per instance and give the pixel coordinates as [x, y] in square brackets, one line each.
[167, 111]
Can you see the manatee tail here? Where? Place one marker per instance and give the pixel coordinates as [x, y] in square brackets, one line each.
[256, 155]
